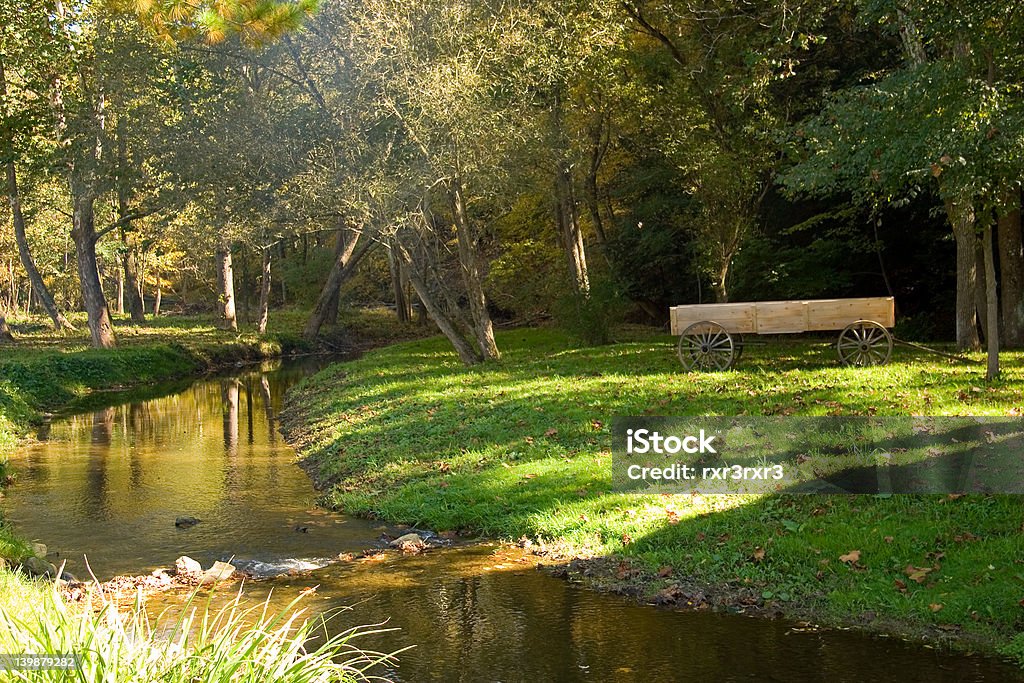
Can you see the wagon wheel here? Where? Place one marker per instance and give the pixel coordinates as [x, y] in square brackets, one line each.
[706, 346]
[863, 343]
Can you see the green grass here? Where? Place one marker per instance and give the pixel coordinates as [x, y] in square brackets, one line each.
[521, 447]
[195, 643]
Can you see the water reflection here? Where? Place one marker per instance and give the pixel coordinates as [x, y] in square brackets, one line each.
[111, 483]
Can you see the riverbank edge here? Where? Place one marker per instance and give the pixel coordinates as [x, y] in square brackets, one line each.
[646, 584]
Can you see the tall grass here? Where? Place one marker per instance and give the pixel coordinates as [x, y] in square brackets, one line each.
[194, 643]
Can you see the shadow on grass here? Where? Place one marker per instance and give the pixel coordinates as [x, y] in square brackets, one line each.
[522, 447]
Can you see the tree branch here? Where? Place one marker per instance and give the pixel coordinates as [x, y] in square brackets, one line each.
[122, 221]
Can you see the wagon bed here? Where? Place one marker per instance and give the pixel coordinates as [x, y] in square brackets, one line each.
[710, 335]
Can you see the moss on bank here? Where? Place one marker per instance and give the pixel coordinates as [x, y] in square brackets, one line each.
[522, 447]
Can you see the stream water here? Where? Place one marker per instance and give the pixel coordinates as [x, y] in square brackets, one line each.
[108, 484]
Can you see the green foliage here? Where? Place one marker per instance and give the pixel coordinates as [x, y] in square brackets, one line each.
[591, 318]
[195, 643]
[1014, 649]
[255, 21]
[526, 279]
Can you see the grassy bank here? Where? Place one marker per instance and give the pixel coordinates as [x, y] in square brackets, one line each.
[521, 448]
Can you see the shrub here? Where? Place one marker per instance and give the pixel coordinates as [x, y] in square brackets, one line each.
[194, 643]
[590, 319]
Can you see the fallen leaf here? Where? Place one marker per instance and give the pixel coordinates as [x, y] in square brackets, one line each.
[935, 607]
[665, 571]
[888, 539]
[901, 586]
[917, 574]
[551, 432]
[758, 554]
[850, 557]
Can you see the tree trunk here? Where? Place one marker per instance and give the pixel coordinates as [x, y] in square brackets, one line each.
[120, 290]
[158, 297]
[226, 288]
[334, 303]
[264, 312]
[467, 354]
[343, 268]
[961, 216]
[598, 148]
[398, 278]
[5, 332]
[24, 253]
[992, 304]
[719, 286]
[568, 218]
[469, 259]
[981, 288]
[84, 234]
[136, 307]
[1011, 270]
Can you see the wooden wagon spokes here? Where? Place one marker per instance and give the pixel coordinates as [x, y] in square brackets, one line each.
[864, 343]
[705, 346]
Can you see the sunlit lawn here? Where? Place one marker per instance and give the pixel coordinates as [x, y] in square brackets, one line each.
[522, 448]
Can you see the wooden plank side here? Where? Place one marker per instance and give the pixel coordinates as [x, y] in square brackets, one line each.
[835, 314]
[735, 318]
[778, 317]
[782, 317]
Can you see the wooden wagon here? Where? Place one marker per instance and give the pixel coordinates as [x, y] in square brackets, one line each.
[711, 335]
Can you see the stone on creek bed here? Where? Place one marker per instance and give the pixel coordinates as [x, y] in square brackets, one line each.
[186, 522]
[409, 543]
[185, 566]
[37, 566]
[220, 571]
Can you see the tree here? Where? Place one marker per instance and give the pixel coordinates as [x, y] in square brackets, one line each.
[31, 52]
[947, 115]
[721, 106]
